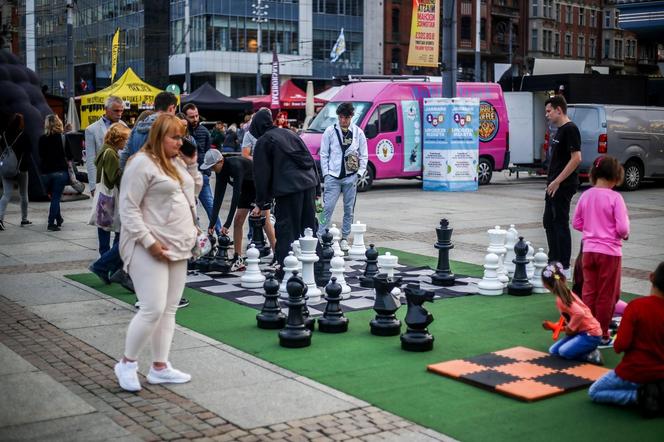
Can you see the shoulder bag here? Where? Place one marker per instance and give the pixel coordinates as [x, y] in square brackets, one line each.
[8, 159]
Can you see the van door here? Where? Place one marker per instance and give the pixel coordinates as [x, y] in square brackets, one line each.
[386, 142]
[656, 130]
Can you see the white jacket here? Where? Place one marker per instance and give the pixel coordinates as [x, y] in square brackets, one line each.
[330, 150]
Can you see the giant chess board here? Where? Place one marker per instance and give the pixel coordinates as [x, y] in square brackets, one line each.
[228, 286]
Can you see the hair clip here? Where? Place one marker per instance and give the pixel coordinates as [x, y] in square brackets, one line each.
[556, 276]
[547, 273]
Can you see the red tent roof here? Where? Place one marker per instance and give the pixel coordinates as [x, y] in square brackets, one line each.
[290, 97]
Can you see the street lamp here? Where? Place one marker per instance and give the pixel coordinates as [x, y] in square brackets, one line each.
[259, 9]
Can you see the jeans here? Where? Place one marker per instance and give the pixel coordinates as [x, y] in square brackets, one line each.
[55, 183]
[8, 187]
[612, 389]
[333, 188]
[556, 225]
[207, 200]
[109, 262]
[105, 240]
[575, 347]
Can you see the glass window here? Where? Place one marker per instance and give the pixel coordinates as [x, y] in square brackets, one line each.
[466, 27]
[582, 17]
[568, 45]
[395, 20]
[384, 118]
[607, 19]
[533, 43]
[328, 115]
[580, 47]
[568, 14]
[557, 11]
[607, 48]
[591, 48]
[331, 7]
[586, 118]
[556, 44]
[535, 8]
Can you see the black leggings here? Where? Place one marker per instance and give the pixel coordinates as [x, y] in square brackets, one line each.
[556, 225]
[294, 213]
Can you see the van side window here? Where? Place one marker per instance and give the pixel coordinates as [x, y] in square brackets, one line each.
[384, 118]
[586, 118]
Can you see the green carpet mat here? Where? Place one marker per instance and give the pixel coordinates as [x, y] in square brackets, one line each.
[376, 370]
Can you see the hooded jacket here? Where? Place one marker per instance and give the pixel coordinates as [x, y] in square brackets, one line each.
[282, 163]
[138, 137]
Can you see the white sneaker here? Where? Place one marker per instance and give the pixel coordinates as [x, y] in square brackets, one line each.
[168, 375]
[127, 374]
[568, 273]
[343, 245]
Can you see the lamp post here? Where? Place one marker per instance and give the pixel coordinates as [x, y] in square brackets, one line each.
[259, 9]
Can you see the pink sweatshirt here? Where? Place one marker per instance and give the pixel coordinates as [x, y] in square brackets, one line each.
[601, 215]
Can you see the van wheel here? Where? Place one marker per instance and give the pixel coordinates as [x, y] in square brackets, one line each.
[366, 180]
[633, 175]
[484, 171]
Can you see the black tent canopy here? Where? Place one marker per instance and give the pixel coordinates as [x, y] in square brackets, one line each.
[207, 98]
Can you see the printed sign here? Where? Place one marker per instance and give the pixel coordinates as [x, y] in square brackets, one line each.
[489, 123]
[424, 33]
[412, 136]
[384, 150]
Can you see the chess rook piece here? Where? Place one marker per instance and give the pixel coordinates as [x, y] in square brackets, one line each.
[252, 277]
[291, 265]
[386, 304]
[308, 257]
[510, 241]
[257, 224]
[490, 285]
[530, 268]
[336, 237]
[295, 334]
[497, 246]
[271, 316]
[358, 249]
[371, 269]
[220, 262]
[519, 286]
[417, 337]
[443, 275]
[322, 274]
[333, 320]
[338, 268]
[540, 261]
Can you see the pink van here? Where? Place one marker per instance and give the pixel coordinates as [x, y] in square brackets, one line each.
[390, 113]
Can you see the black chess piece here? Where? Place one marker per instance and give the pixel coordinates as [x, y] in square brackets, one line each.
[257, 236]
[271, 316]
[386, 304]
[322, 271]
[417, 337]
[309, 322]
[519, 285]
[371, 268]
[220, 262]
[333, 320]
[203, 263]
[443, 276]
[295, 334]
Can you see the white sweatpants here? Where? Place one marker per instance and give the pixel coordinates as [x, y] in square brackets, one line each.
[159, 287]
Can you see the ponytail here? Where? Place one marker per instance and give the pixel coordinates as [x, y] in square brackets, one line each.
[553, 278]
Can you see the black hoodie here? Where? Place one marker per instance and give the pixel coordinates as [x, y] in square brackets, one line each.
[282, 162]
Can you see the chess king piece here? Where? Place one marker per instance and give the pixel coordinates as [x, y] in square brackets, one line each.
[371, 269]
[497, 246]
[252, 277]
[519, 286]
[322, 272]
[358, 249]
[530, 268]
[257, 224]
[333, 320]
[443, 275]
[336, 237]
[291, 264]
[386, 304]
[338, 269]
[417, 337]
[308, 257]
[387, 263]
[510, 241]
[490, 285]
[539, 262]
[271, 316]
[220, 262]
[295, 334]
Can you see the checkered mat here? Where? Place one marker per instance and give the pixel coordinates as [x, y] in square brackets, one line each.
[228, 286]
[521, 373]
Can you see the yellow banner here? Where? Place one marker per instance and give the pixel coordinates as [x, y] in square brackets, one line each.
[115, 47]
[424, 33]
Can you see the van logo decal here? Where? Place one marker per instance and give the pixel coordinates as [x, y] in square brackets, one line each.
[489, 122]
[384, 150]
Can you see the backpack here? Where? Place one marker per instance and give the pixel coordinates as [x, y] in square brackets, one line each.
[8, 159]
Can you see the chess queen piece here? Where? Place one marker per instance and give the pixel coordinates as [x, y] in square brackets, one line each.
[336, 237]
[510, 241]
[386, 304]
[270, 316]
[308, 257]
[291, 265]
[519, 286]
[257, 224]
[530, 268]
[322, 272]
[490, 285]
[417, 337]
[252, 277]
[220, 262]
[358, 249]
[338, 269]
[333, 320]
[371, 268]
[295, 334]
[443, 275]
[497, 246]
[539, 261]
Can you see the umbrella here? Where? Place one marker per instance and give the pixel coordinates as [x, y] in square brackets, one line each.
[72, 115]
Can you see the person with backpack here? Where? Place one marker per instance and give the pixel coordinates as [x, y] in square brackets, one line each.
[15, 142]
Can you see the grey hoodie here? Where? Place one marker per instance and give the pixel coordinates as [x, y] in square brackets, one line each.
[138, 137]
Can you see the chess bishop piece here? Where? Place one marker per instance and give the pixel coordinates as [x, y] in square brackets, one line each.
[333, 320]
[371, 268]
[539, 261]
[295, 334]
[443, 276]
[490, 285]
[270, 316]
[358, 249]
[308, 257]
[386, 304]
[417, 337]
[252, 277]
[519, 286]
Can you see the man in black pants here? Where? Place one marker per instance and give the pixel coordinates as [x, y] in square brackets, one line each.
[562, 181]
[285, 170]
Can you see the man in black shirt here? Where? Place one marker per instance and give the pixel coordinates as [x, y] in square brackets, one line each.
[562, 181]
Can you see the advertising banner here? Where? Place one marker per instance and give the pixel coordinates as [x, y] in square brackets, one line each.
[424, 33]
[412, 136]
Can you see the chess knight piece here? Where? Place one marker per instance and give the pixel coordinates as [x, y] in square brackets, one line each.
[333, 320]
[417, 337]
[443, 276]
[271, 316]
[386, 304]
[295, 334]
[520, 286]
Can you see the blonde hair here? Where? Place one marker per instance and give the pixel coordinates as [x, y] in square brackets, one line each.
[117, 136]
[164, 124]
[53, 125]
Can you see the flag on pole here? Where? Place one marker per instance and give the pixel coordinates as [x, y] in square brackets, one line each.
[274, 82]
[114, 53]
[339, 47]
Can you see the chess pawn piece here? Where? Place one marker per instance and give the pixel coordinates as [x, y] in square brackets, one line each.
[519, 286]
[358, 249]
[295, 334]
[386, 304]
[291, 265]
[540, 261]
[371, 269]
[510, 241]
[271, 316]
[497, 246]
[338, 269]
[308, 257]
[443, 276]
[220, 262]
[333, 320]
[530, 268]
[252, 277]
[417, 337]
[490, 285]
[336, 237]
[322, 273]
[257, 224]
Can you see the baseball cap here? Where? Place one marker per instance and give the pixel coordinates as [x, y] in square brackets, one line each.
[212, 157]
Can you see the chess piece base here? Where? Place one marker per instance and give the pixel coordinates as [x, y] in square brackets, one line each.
[443, 280]
[252, 284]
[525, 290]
[271, 321]
[385, 327]
[417, 341]
[366, 282]
[336, 325]
[218, 265]
[491, 292]
[295, 338]
[540, 290]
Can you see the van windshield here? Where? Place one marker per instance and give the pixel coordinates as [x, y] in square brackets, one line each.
[328, 115]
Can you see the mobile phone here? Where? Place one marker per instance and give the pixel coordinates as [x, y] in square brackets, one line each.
[188, 148]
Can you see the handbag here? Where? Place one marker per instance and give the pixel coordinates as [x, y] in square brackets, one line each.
[202, 245]
[73, 181]
[8, 159]
[351, 160]
[105, 208]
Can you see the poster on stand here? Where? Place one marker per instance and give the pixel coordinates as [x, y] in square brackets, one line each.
[412, 136]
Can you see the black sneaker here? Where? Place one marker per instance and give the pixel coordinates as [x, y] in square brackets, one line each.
[53, 228]
[25, 222]
[121, 277]
[647, 399]
[102, 275]
[59, 221]
[2, 225]
[184, 302]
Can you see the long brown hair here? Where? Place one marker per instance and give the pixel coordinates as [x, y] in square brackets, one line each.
[554, 279]
[164, 124]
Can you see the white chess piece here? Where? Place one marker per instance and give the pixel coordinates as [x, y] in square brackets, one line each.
[252, 277]
[336, 237]
[291, 264]
[497, 246]
[539, 261]
[510, 241]
[530, 268]
[387, 263]
[338, 267]
[358, 250]
[490, 285]
[295, 247]
[308, 257]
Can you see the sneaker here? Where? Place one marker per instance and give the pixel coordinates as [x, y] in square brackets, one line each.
[647, 399]
[121, 277]
[102, 275]
[59, 221]
[2, 225]
[25, 222]
[343, 245]
[127, 374]
[168, 375]
[568, 273]
[137, 304]
[606, 343]
[53, 228]
[595, 357]
[238, 264]
[184, 302]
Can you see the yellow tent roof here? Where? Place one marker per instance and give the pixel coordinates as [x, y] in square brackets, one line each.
[129, 87]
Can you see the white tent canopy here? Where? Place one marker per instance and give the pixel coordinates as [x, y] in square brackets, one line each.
[328, 94]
